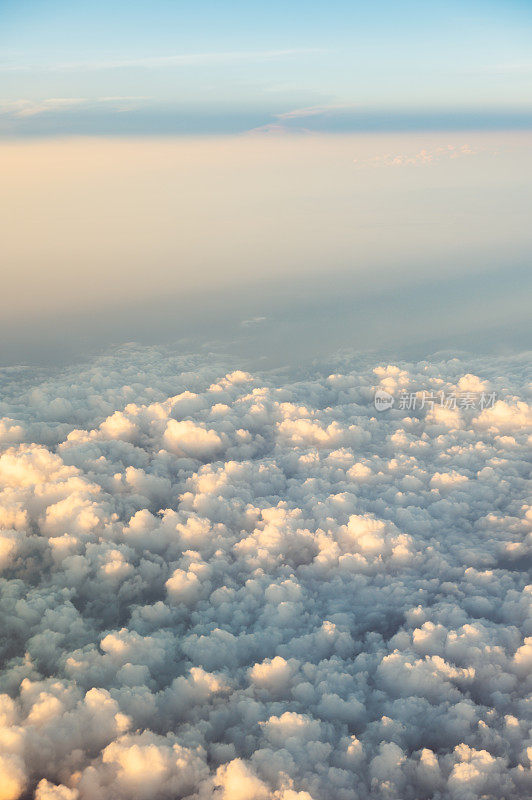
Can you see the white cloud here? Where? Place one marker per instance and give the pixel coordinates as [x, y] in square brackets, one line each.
[173, 60]
[24, 107]
[224, 586]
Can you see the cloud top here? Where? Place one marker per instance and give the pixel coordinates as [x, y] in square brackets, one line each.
[233, 586]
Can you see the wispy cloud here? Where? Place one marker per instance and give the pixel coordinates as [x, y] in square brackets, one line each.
[314, 111]
[284, 122]
[510, 68]
[20, 109]
[174, 60]
[247, 323]
[349, 118]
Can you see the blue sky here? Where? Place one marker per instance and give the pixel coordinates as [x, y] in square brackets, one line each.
[211, 67]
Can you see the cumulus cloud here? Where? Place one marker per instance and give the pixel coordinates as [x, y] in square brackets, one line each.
[222, 585]
[420, 157]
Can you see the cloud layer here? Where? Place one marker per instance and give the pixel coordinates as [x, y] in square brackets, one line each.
[239, 586]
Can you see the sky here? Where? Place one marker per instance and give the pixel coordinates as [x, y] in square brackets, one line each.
[175, 170]
[207, 67]
[265, 400]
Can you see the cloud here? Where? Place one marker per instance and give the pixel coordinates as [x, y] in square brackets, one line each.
[173, 60]
[421, 157]
[246, 323]
[24, 108]
[132, 115]
[222, 585]
[348, 118]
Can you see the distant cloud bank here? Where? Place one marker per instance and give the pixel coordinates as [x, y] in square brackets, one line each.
[242, 586]
[142, 116]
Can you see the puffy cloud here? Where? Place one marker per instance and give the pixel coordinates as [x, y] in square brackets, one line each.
[237, 782]
[48, 791]
[142, 766]
[272, 675]
[218, 585]
[13, 776]
[186, 438]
